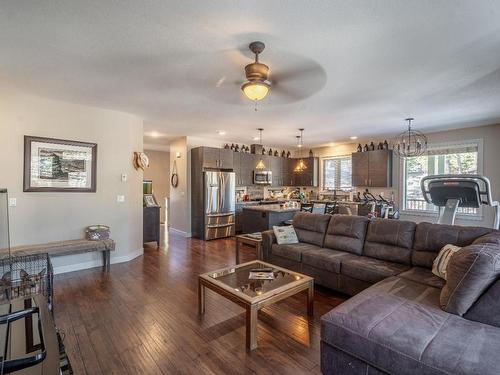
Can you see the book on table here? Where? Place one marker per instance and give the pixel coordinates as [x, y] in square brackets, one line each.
[261, 274]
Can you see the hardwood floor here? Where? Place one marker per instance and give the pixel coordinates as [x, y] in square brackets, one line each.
[141, 318]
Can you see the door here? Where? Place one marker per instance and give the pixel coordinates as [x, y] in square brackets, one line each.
[360, 168]
[276, 168]
[212, 193]
[380, 168]
[237, 168]
[226, 158]
[227, 189]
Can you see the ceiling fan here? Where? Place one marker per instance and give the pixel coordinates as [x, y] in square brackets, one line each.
[295, 79]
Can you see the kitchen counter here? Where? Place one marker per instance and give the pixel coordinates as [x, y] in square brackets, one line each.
[263, 217]
[270, 208]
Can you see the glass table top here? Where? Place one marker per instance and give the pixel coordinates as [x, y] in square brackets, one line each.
[237, 278]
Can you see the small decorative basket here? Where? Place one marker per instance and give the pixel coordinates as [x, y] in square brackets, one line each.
[97, 232]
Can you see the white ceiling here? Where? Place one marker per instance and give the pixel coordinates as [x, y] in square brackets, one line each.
[176, 63]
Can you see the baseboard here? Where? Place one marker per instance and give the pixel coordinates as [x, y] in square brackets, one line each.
[179, 232]
[97, 262]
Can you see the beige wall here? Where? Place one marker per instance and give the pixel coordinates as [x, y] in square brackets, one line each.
[44, 217]
[180, 215]
[159, 173]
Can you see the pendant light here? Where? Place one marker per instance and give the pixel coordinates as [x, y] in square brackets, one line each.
[410, 143]
[260, 165]
[301, 166]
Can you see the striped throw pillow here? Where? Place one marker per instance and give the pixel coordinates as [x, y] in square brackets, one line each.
[441, 262]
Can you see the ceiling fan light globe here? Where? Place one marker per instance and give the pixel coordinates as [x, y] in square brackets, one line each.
[255, 90]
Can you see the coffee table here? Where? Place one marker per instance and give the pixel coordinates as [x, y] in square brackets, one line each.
[233, 284]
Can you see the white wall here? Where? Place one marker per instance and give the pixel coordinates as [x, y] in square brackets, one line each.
[180, 215]
[45, 217]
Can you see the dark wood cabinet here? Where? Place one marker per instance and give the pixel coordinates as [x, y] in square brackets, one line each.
[151, 225]
[277, 169]
[360, 169]
[372, 168]
[216, 157]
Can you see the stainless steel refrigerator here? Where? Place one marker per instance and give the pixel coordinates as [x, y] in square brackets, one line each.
[219, 202]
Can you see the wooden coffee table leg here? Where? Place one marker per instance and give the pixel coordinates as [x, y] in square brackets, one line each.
[201, 298]
[251, 326]
[237, 251]
[310, 299]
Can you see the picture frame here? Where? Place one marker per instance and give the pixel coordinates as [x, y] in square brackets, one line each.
[59, 165]
[150, 201]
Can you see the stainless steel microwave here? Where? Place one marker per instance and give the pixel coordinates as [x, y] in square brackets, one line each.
[261, 177]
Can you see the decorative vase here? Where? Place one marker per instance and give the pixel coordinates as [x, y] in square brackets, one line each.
[311, 153]
[360, 148]
[372, 146]
[386, 145]
[270, 153]
[365, 148]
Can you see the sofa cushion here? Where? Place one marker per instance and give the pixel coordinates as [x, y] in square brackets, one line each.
[397, 326]
[390, 240]
[470, 272]
[311, 228]
[423, 276]
[486, 308]
[430, 239]
[326, 259]
[346, 233]
[370, 269]
[285, 235]
[292, 251]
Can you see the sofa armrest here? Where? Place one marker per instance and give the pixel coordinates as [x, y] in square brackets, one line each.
[268, 239]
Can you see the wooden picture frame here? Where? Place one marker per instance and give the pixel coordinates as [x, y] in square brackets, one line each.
[58, 165]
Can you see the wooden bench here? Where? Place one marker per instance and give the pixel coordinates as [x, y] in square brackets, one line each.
[70, 247]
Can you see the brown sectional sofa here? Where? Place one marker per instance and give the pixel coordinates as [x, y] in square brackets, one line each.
[402, 319]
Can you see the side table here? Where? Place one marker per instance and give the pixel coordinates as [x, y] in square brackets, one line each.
[251, 241]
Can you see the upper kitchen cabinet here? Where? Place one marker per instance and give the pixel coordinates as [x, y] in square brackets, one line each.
[307, 177]
[372, 168]
[211, 157]
[276, 166]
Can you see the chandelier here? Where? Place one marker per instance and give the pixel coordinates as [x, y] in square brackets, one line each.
[301, 166]
[410, 143]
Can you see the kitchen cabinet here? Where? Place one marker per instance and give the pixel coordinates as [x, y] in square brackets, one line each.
[217, 158]
[277, 169]
[308, 177]
[372, 168]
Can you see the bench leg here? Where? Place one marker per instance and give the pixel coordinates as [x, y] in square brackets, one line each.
[106, 260]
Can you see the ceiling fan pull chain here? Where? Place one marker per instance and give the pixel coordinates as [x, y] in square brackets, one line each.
[255, 108]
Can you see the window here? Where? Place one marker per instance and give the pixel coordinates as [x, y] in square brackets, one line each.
[337, 173]
[450, 159]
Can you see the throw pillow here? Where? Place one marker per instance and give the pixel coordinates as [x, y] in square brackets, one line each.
[285, 235]
[442, 260]
[470, 272]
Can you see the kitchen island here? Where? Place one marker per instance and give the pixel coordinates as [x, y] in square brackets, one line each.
[263, 217]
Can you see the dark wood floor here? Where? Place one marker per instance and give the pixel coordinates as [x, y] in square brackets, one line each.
[141, 318]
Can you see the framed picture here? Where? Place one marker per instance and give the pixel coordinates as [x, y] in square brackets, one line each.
[150, 201]
[57, 165]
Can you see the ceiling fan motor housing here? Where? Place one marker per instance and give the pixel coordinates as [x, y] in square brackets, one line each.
[256, 71]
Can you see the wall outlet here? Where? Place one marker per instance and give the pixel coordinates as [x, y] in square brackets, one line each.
[124, 177]
[120, 198]
[12, 202]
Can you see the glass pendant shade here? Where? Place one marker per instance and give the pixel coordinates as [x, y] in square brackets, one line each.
[301, 166]
[255, 90]
[260, 165]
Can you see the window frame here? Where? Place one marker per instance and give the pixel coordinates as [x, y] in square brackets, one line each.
[323, 168]
[436, 146]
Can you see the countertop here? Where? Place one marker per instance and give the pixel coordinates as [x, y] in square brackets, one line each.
[270, 208]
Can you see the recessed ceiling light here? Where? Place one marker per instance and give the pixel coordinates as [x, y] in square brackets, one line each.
[221, 132]
[353, 137]
[154, 134]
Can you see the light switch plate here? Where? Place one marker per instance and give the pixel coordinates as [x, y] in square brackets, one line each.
[12, 202]
[124, 177]
[120, 198]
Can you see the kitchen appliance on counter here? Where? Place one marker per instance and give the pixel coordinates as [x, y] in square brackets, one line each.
[262, 177]
[219, 204]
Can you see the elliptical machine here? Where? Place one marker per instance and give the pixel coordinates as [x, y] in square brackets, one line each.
[449, 192]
